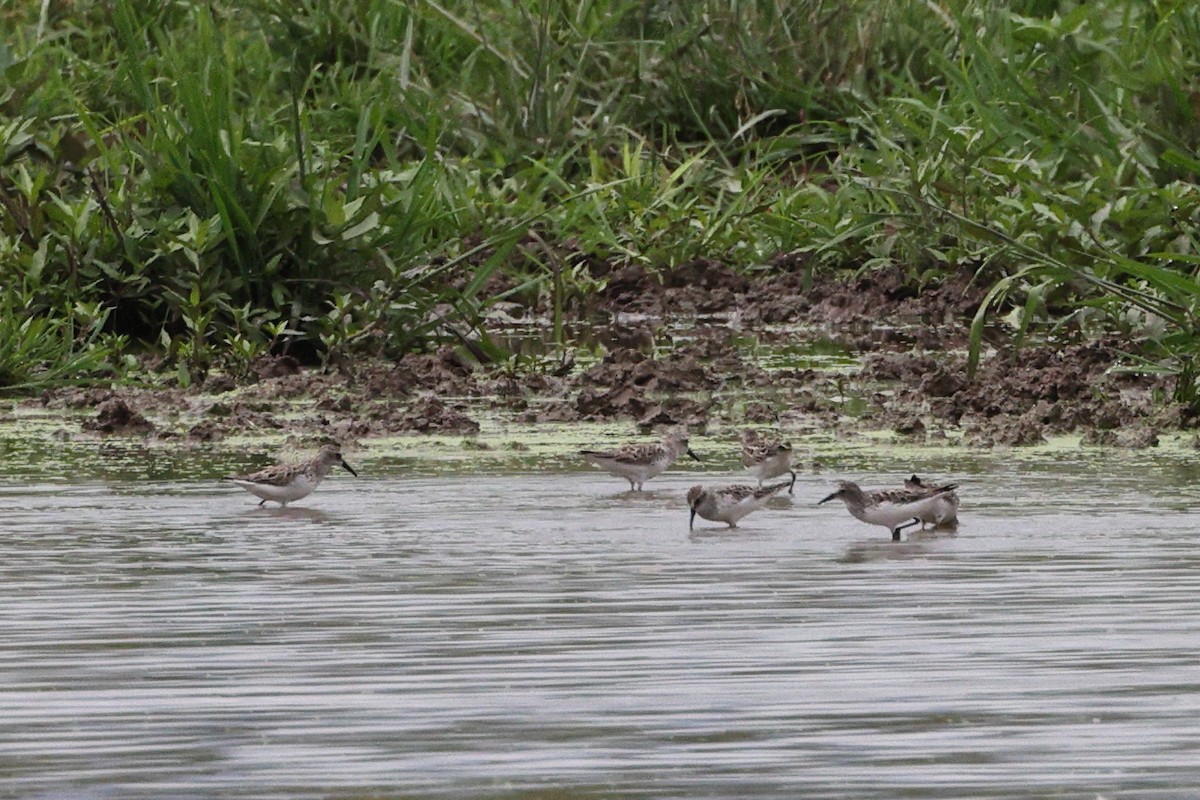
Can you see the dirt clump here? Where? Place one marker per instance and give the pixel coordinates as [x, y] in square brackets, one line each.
[430, 415]
[1004, 432]
[631, 384]
[1138, 437]
[206, 431]
[444, 372]
[676, 412]
[74, 397]
[620, 401]
[910, 426]
[114, 416]
[549, 411]
[679, 371]
[268, 367]
[218, 384]
[702, 286]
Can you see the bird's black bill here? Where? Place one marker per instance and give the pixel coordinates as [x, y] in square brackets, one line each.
[692, 521]
[693, 455]
[827, 499]
[349, 469]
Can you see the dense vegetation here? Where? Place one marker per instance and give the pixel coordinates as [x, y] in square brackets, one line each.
[214, 180]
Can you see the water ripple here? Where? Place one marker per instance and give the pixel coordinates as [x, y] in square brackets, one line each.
[542, 633]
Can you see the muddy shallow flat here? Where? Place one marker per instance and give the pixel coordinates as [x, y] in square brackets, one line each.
[497, 634]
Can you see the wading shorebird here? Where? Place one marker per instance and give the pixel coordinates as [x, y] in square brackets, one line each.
[284, 483]
[728, 504]
[944, 513]
[639, 463]
[767, 458]
[895, 509]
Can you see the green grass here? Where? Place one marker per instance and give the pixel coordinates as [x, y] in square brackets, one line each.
[222, 179]
[40, 348]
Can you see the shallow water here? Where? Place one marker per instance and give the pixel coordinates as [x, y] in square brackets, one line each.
[549, 635]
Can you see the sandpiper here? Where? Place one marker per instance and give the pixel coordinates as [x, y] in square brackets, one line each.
[639, 463]
[729, 503]
[895, 509]
[767, 458]
[944, 513]
[284, 483]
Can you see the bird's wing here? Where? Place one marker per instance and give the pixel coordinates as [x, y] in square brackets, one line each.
[737, 493]
[771, 489]
[638, 454]
[278, 475]
[898, 497]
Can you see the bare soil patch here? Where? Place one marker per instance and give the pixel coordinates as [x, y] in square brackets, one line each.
[689, 362]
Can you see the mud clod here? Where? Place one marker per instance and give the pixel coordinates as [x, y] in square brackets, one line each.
[675, 412]
[622, 401]
[941, 382]
[268, 367]
[1137, 438]
[912, 426]
[114, 416]
[444, 372]
[430, 415]
[206, 431]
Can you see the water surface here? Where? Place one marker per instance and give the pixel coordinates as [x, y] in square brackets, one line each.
[546, 634]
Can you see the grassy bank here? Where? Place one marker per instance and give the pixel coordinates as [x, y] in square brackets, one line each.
[212, 181]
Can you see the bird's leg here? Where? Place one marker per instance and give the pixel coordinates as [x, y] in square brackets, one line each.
[792, 486]
[896, 530]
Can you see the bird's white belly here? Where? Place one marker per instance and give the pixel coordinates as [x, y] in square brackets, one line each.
[730, 512]
[638, 473]
[943, 509]
[743, 508]
[300, 486]
[893, 514]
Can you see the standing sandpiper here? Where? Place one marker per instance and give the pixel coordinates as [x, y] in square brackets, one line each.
[895, 509]
[284, 483]
[639, 463]
[767, 458]
[944, 513]
[729, 503]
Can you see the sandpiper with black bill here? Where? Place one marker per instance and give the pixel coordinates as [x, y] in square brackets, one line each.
[284, 483]
[894, 509]
[638, 463]
[766, 457]
[729, 504]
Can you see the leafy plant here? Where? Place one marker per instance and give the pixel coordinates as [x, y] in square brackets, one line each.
[343, 176]
[43, 349]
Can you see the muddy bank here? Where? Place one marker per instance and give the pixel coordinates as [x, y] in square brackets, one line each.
[709, 348]
[789, 295]
[1021, 397]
